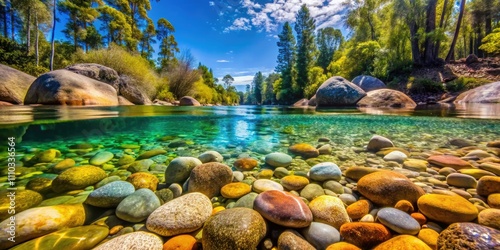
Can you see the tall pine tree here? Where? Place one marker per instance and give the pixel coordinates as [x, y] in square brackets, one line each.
[306, 47]
[258, 82]
[286, 61]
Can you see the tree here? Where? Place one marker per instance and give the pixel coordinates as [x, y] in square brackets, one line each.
[329, 41]
[306, 47]
[52, 47]
[258, 82]
[207, 75]
[168, 45]
[286, 63]
[491, 43]
[147, 40]
[228, 80]
[268, 96]
[451, 52]
[118, 29]
[182, 77]
[81, 15]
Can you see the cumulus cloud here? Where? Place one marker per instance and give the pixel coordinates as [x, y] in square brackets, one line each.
[269, 16]
[211, 3]
[222, 61]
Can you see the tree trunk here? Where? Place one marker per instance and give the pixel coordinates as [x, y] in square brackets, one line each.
[52, 49]
[28, 32]
[441, 26]
[450, 55]
[12, 23]
[36, 40]
[429, 57]
[372, 29]
[4, 17]
[415, 50]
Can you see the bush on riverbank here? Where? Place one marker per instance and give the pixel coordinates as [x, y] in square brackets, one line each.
[464, 83]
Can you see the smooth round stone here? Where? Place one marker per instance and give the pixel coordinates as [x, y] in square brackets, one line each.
[446, 171]
[490, 217]
[181, 242]
[478, 153]
[23, 199]
[325, 149]
[488, 185]
[107, 180]
[246, 200]
[265, 174]
[403, 242]
[77, 178]
[84, 237]
[491, 167]
[136, 240]
[164, 195]
[387, 188]
[329, 210]
[238, 176]
[180, 215]
[304, 150]
[494, 200]
[461, 180]
[342, 246]
[378, 142]
[398, 221]
[235, 190]
[367, 218]
[291, 239]
[245, 164]
[348, 199]
[364, 234]
[63, 165]
[39, 221]
[236, 228]
[447, 209]
[176, 189]
[210, 156]
[312, 191]
[56, 200]
[39, 185]
[429, 237]
[476, 173]
[140, 166]
[143, 180]
[321, 235]
[125, 159]
[357, 173]
[334, 187]
[110, 195]
[283, 209]
[178, 169]
[469, 236]
[151, 153]
[415, 165]
[46, 156]
[101, 158]
[278, 159]
[396, 156]
[449, 161]
[294, 182]
[358, 209]
[325, 171]
[281, 172]
[138, 206]
[209, 178]
[405, 206]
[262, 185]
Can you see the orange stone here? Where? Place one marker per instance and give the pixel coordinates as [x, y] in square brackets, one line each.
[294, 182]
[143, 180]
[245, 164]
[420, 218]
[358, 209]
[181, 242]
[404, 206]
[305, 150]
[217, 209]
[449, 161]
[235, 190]
[364, 234]
[403, 242]
[488, 185]
[342, 246]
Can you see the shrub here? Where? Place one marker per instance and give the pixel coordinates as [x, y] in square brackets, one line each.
[14, 55]
[424, 85]
[126, 63]
[203, 93]
[464, 83]
[182, 76]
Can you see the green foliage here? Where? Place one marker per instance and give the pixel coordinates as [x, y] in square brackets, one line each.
[168, 44]
[258, 82]
[268, 96]
[286, 63]
[316, 78]
[424, 85]
[203, 93]
[306, 47]
[491, 43]
[329, 40]
[464, 83]
[228, 80]
[182, 76]
[126, 63]
[361, 58]
[14, 55]
[207, 75]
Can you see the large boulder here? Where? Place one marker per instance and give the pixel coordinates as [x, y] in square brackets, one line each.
[337, 91]
[13, 85]
[97, 72]
[301, 103]
[386, 98]
[368, 83]
[489, 93]
[129, 90]
[188, 101]
[67, 88]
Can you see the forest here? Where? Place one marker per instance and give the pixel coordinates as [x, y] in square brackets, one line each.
[385, 38]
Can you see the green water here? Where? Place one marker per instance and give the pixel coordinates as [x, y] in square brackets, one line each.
[235, 131]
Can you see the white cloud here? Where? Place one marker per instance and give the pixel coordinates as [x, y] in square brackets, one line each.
[269, 16]
[243, 80]
[222, 61]
[211, 3]
[239, 24]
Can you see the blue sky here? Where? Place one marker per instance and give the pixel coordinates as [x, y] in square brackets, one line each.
[238, 37]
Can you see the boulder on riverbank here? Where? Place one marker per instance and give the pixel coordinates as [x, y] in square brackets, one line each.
[13, 85]
[368, 83]
[188, 101]
[301, 103]
[338, 91]
[63, 87]
[489, 93]
[386, 98]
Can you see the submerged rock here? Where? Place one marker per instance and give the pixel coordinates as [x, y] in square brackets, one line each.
[77, 178]
[468, 236]
[135, 240]
[283, 208]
